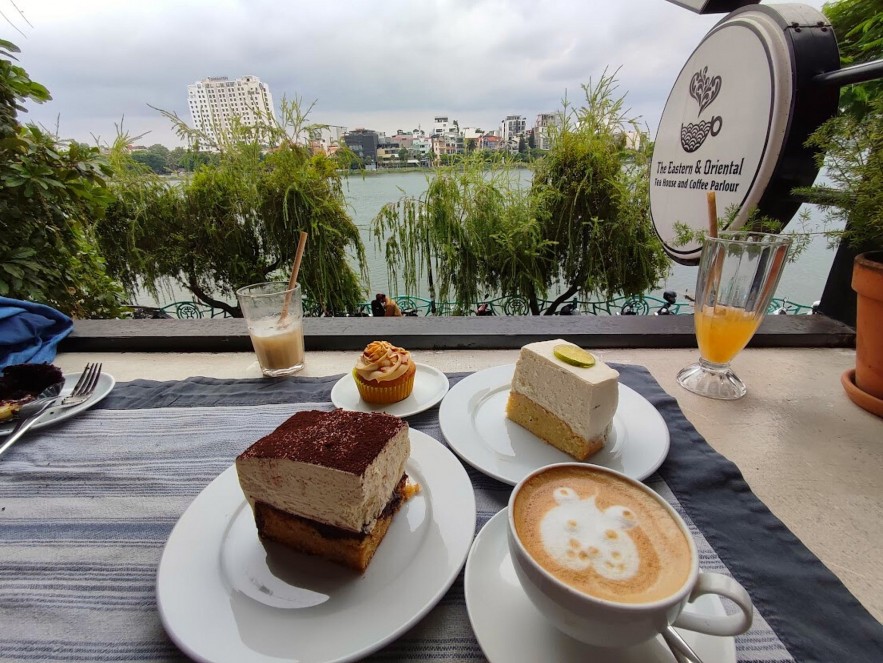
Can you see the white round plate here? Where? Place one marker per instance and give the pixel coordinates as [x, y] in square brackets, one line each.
[430, 386]
[509, 627]
[473, 420]
[223, 596]
[53, 416]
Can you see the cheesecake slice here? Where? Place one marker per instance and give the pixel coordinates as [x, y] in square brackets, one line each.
[570, 407]
[328, 483]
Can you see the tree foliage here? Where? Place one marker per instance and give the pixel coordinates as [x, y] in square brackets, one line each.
[51, 195]
[163, 161]
[582, 226]
[851, 150]
[235, 222]
[156, 157]
[858, 25]
[851, 144]
[471, 233]
[592, 196]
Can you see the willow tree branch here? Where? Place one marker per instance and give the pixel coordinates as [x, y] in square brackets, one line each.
[205, 298]
[563, 297]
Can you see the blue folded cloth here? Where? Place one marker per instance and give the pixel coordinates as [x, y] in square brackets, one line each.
[29, 332]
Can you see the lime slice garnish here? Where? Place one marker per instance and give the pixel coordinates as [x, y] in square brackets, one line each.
[574, 356]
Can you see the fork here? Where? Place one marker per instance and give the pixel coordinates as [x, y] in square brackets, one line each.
[81, 393]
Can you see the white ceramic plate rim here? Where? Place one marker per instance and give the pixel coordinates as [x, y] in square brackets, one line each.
[191, 585]
[489, 596]
[641, 435]
[345, 394]
[102, 388]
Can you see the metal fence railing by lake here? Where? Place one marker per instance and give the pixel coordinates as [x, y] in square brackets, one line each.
[499, 306]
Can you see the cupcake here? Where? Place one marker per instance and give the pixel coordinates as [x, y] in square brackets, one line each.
[384, 373]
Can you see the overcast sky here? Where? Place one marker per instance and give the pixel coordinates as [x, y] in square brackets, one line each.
[382, 64]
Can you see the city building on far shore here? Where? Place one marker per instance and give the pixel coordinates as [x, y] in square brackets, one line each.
[542, 139]
[363, 142]
[511, 129]
[490, 141]
[215, 101]
[326, 138]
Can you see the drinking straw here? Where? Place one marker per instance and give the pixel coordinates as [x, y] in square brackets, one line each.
[712, 214]
[298, 256]
[710, 289]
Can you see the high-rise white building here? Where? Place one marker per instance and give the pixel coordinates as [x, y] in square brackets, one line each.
[216, 100]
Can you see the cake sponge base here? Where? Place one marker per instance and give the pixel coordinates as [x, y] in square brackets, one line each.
[549, 428]
[352, 549]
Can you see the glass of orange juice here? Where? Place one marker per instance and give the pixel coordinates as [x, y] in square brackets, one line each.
[274, 314]
[738, 274]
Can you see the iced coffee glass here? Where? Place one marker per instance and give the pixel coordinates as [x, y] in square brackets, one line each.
[738, 274]
[275, 327]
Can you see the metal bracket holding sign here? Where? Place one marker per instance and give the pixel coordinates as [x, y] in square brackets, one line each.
[712, 6]
[737, 119]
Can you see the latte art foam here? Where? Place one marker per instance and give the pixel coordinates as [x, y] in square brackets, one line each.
[578, 535]
[602, 535]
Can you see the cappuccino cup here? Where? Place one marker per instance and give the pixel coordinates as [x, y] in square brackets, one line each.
[608, 561]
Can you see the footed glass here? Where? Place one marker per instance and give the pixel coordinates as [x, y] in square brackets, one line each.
[738, 274]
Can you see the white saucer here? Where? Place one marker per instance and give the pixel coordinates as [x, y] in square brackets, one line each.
[473, 420]
[223, 597]
[510, 629]
[52, 416]
[430, 386]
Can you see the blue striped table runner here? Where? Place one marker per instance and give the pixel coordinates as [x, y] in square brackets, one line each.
[86, 507]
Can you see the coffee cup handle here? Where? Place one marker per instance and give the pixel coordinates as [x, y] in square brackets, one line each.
[715, 583]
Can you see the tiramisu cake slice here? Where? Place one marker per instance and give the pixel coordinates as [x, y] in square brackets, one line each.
[329, 483]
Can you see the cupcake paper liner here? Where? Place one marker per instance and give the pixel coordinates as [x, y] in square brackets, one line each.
[387, 394]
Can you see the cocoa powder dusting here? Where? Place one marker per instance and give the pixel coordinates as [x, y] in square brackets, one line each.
[340, 439]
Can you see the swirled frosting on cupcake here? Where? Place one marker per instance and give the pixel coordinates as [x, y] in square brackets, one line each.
[381, 361]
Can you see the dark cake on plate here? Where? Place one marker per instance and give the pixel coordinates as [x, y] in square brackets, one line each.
[329, 483]
[21, 383]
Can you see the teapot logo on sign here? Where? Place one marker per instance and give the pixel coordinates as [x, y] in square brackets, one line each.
[704, 89]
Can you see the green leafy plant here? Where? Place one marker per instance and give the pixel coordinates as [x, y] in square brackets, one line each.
[851, 144]
[852, 154]
[755, 222]
[858, 25]
[51, 195]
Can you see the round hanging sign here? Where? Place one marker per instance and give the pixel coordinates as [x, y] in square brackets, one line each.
[736, 121]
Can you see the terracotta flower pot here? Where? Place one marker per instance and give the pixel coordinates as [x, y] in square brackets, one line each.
[867, 281]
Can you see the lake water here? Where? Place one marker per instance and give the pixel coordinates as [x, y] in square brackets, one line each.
[802, 281]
